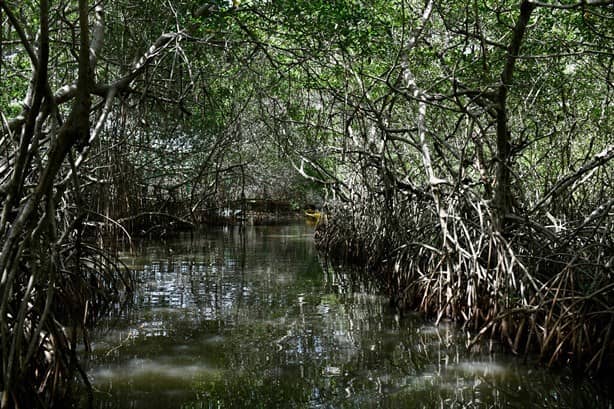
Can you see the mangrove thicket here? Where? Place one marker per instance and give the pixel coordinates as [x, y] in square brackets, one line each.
[462, 151]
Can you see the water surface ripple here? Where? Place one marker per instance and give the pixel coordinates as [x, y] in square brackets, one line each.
[253, 320]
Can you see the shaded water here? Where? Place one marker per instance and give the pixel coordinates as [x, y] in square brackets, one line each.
[223, 320]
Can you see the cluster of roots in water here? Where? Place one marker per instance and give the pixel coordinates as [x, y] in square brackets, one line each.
[52, 298]
[536, 288]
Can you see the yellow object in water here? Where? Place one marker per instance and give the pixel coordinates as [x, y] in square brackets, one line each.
[313, 215]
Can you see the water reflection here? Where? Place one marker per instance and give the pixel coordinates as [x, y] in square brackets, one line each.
[252, 320]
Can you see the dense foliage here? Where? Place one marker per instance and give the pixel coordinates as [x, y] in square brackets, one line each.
[464, 150]
[469, 147]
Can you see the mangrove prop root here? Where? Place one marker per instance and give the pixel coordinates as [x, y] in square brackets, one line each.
[532, 290]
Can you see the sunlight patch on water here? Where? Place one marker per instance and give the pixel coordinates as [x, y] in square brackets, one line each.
[480, 368]
[138, 369]
[291, 236]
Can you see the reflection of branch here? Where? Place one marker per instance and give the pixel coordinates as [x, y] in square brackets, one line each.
[170, 216]
[131, 336]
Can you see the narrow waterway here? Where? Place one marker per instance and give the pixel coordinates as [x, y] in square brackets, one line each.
[254, 320]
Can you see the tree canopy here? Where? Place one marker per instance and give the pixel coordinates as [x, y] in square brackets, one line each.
[463, 148]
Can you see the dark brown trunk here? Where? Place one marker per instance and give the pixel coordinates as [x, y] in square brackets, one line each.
[503, 190]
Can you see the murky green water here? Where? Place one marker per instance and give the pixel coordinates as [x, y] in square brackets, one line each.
[224, 320]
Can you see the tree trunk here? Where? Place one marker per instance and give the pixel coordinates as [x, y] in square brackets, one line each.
[503, 190]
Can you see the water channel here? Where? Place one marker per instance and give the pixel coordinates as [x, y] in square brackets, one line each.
[254, 320]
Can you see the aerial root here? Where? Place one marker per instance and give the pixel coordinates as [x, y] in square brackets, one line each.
[534, 290]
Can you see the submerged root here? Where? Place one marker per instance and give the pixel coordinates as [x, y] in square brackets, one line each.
[55, 298]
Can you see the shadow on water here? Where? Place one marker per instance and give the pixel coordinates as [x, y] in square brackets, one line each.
[253, 320]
